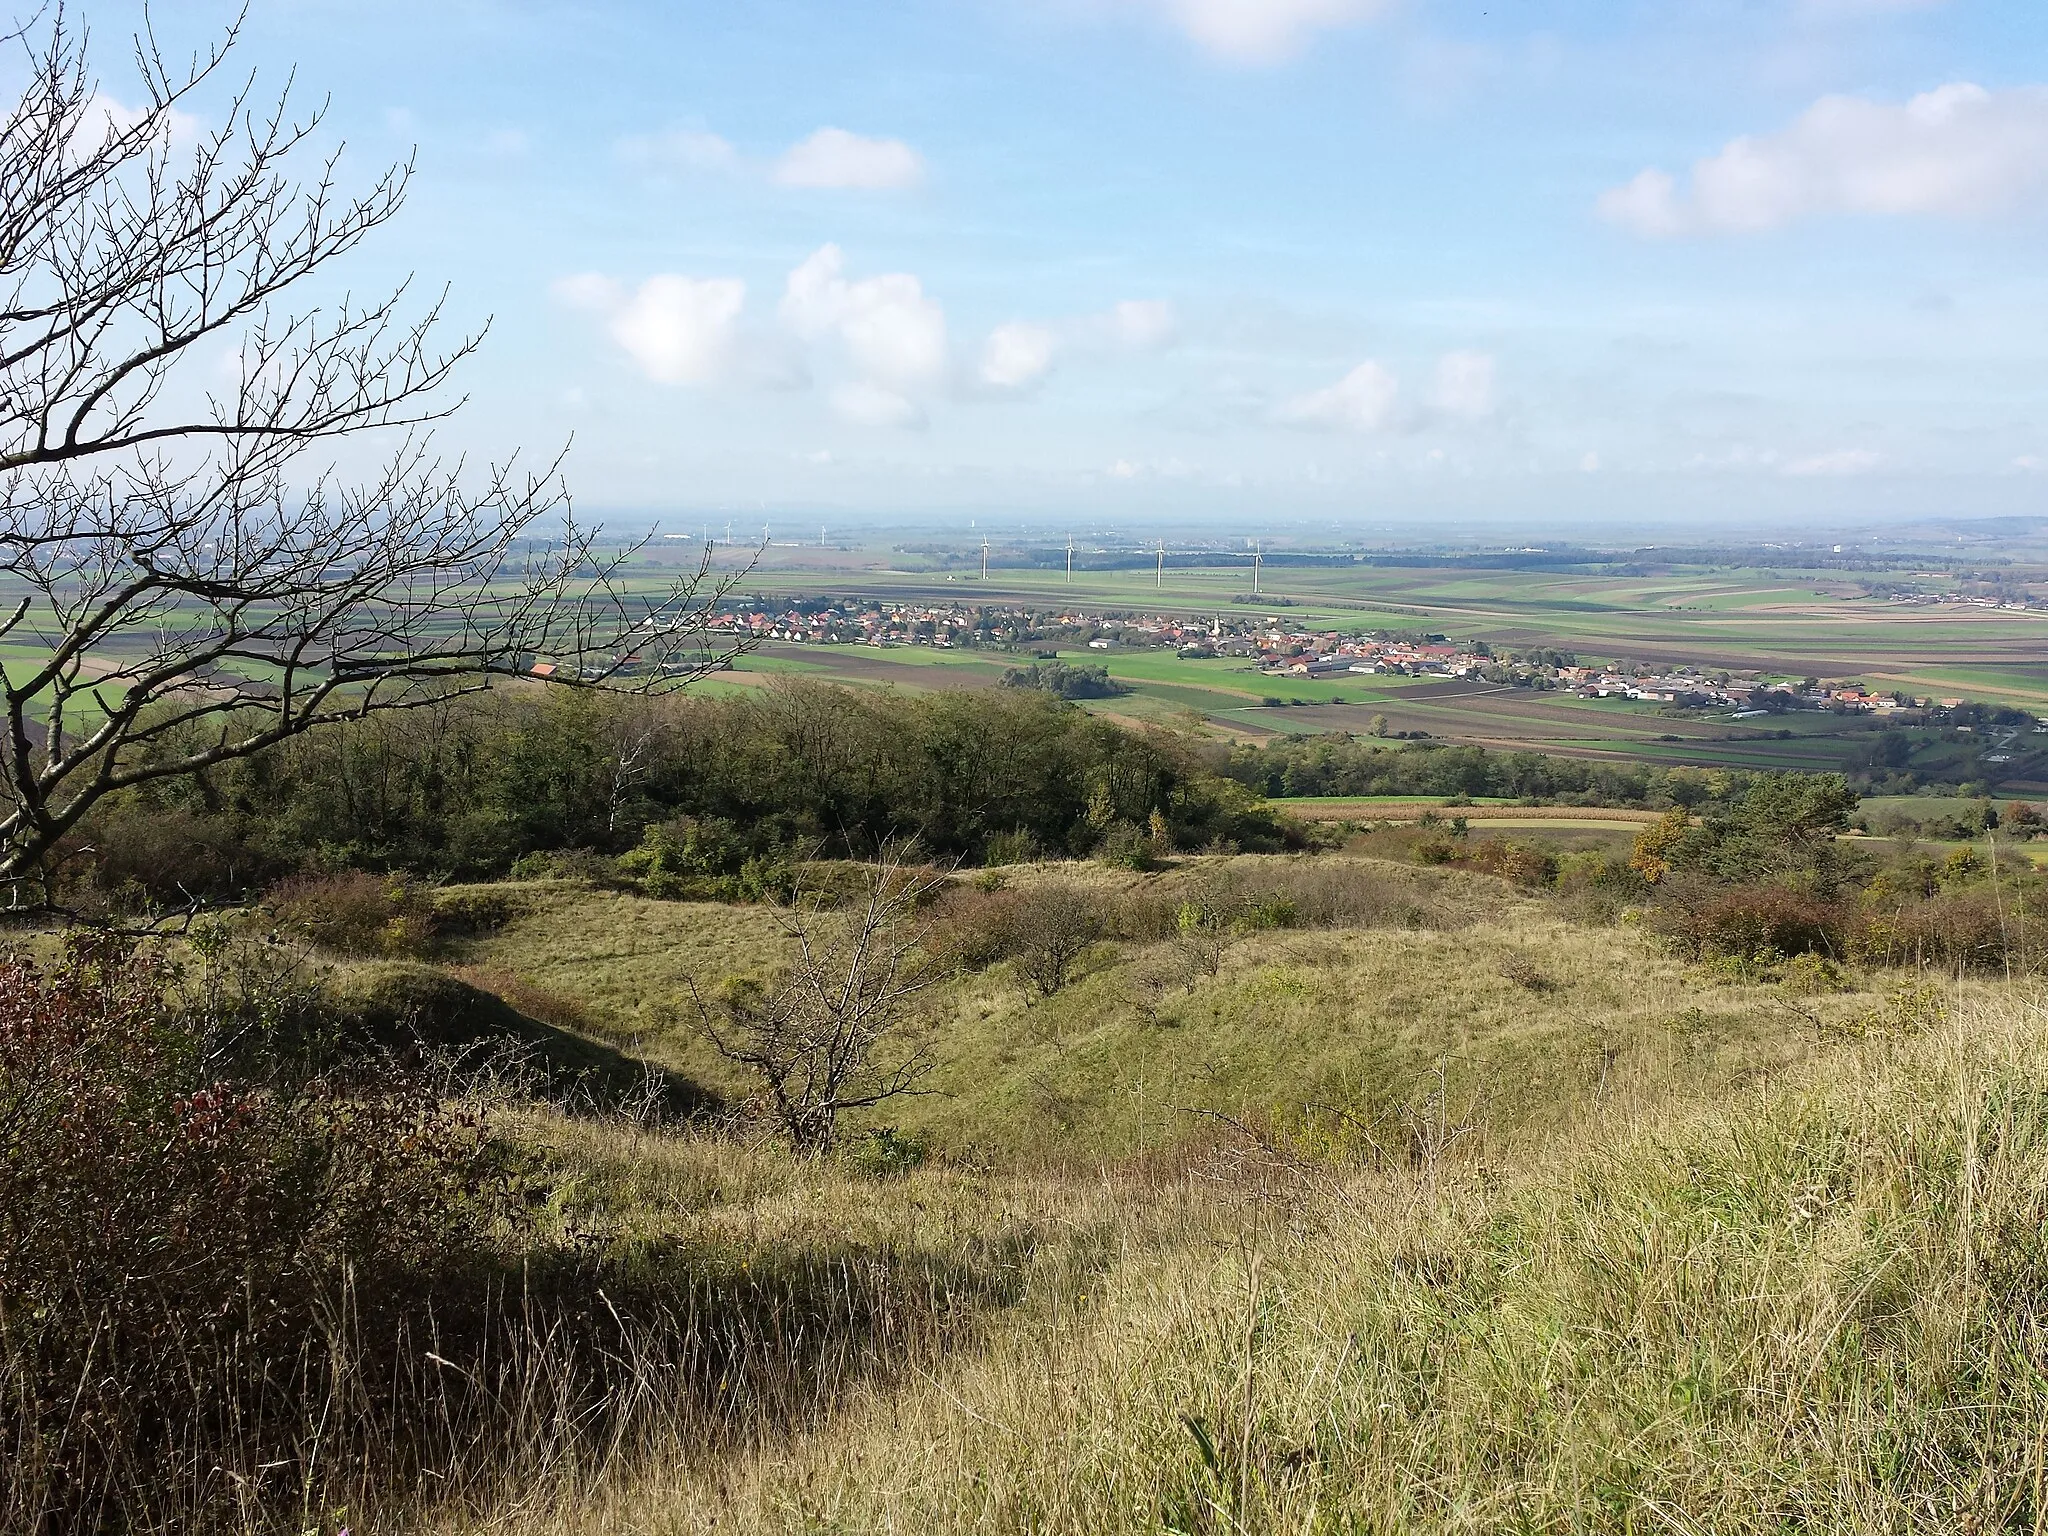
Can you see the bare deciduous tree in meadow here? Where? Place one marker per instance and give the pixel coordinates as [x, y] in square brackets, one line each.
[837, 1029]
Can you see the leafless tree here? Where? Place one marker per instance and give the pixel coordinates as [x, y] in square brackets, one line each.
[837, 1029]
[191, 576]
[1053, 927]
[1206, 927]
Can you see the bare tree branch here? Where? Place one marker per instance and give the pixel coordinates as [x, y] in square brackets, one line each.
[172, 554]
[834, 1031]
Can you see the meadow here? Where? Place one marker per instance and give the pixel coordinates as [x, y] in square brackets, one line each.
[1459, 1216]
[1119, 1061]
[1438, 1167]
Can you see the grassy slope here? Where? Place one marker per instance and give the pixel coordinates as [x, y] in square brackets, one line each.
[1800, 1313]
[1708, 1257]
[1126, 1056]
[1808, 1305]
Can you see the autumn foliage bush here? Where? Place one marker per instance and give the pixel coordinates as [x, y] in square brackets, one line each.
[1522, 863]
[1748, 921]
[186, 1221]
[1951, 932]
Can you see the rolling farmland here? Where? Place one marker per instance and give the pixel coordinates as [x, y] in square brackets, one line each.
[1787, 622]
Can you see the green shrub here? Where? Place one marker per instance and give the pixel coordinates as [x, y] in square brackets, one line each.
[1125, 846]
[1436, 848]
[354, 913]
[585, 864]
[1009, 848]
[1811, 975]
[474, 911]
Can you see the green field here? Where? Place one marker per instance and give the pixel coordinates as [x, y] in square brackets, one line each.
[1787, 622]
[1771, 623]
[1230, 697]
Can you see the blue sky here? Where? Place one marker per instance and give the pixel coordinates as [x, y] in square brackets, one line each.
[1263, 263]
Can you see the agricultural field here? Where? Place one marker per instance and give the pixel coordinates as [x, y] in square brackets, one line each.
[1784, 622]
[1759, 622]
[1233, 699]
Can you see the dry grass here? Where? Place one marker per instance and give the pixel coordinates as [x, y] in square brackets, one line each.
[627, 962]
[1365, 1020]
[1813, 1308]
[1485, 1221]
[1492, 1222]
[1417, 985]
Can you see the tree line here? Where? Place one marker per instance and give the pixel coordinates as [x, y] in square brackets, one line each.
[693, 786]
[1347, 765]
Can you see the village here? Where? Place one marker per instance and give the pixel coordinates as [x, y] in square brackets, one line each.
[1285, 651]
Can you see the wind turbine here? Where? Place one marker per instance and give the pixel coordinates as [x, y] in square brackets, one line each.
[984, 559]
[1070, 557]
[1161, 582]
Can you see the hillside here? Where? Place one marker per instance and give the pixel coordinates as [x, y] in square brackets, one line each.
[1811, 1307]
[1312, 1192]
[1653, 1251]
[1521, 1007]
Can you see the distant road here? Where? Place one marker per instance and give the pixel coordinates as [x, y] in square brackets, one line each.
[1341, 808]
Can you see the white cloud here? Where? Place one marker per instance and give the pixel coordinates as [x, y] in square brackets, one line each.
[891, 331]
[1844, 461]
[1958, 151]
[1464, 385]
[679, 149]
[1018, 355]
[1590, 464]
[1647, 204]
[1152, 469]
[867, 404]
[1021, 353]
[2028, 463]
[678, 329]
[1361, 401]
[832, 157]
[1144, 324]
[1261, 31]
